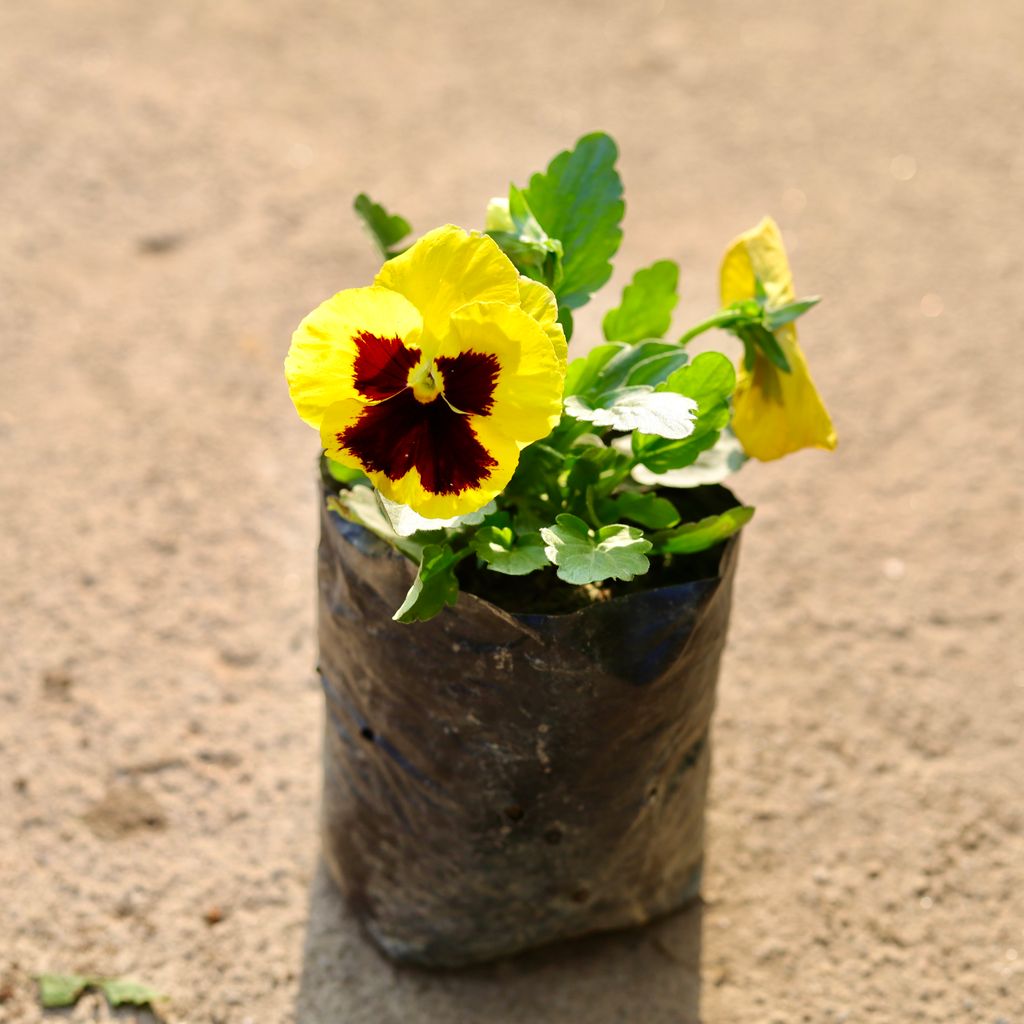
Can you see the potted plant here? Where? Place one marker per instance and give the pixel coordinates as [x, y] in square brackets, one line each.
[526, 563]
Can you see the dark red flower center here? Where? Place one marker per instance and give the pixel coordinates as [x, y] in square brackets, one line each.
[435, 437]
[469, 380]
[382, 366]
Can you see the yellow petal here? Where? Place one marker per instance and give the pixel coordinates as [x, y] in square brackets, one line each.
[774, 413]
[527, 398]
[337, 418]
[448, 268]
[758, 252]
[539, 302]
[410, 491]
[320, 362]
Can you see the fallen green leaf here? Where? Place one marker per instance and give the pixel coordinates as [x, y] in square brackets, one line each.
[120, 992]
[59, 990]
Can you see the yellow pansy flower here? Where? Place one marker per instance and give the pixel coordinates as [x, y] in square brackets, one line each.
[774, 412]
[434, 378]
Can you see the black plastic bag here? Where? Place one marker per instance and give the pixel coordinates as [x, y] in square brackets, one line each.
[494, 781]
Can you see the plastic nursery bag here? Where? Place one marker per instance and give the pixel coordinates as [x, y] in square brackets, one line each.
[495, 781]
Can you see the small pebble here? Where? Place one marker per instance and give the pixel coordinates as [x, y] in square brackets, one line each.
[57, 684]
[903, 167]
[157, 245]
[894, 568]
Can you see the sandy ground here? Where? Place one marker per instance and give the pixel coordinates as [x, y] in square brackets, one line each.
[175, 194]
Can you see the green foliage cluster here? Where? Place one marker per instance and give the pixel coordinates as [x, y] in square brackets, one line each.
[608, 490]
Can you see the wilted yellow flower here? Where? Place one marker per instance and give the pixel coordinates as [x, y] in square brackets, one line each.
[433, 379]
[774, 412]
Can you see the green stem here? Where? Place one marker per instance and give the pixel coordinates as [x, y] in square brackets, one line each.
[595, 519]
[723, 318]
[461, 553]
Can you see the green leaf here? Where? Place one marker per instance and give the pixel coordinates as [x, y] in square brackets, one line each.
[527, 244]
[536, 475]
[408, 523]
[387, 229]
[540, 261]
[755, 334]
[656, 368]
[578, 200]
[583, 374]
[128, 993]
[620, 369]
[641, 507]
[749, 352]
[617, 364]
[503, 551]
[647, 304]
[692, 537]
[360, 505]
[61, 989]
[597, 469]
[782, 315]
[58, 990]
[712, 466]
[565, 319]
[664, 413]
[343, 474]
[435, 585]
[709, 380]
[584, 556]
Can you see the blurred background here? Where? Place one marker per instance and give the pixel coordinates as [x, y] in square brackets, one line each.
[175, 195]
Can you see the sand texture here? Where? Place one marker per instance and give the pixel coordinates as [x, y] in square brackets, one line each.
[175, 192]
